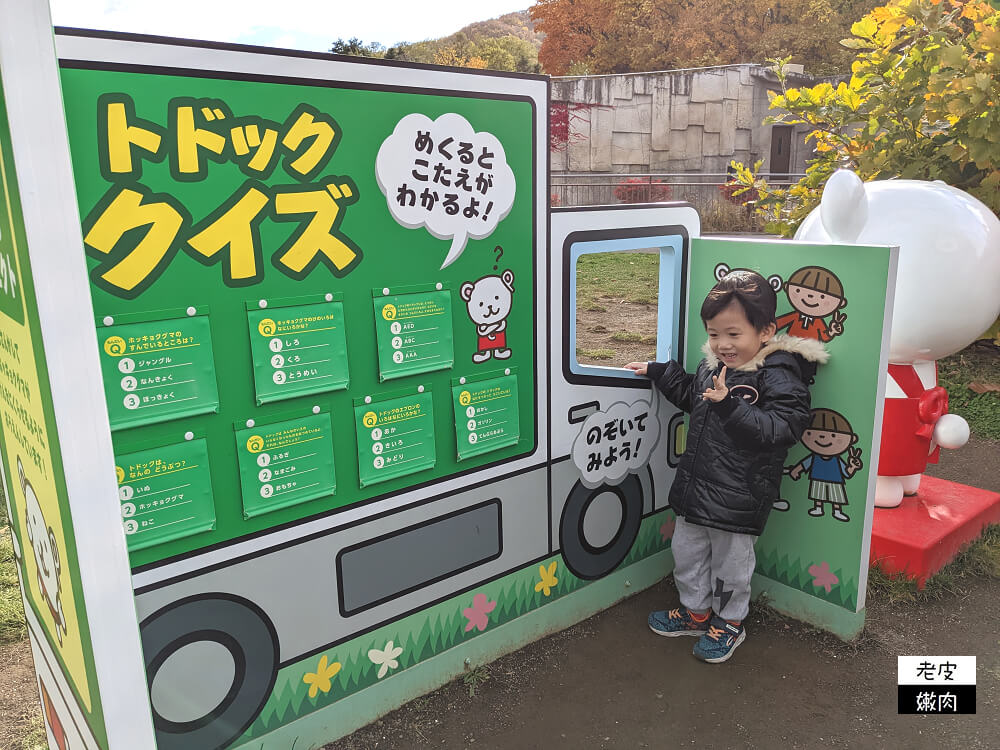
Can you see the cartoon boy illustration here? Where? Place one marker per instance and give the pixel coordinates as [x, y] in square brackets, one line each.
[829, 434]
[488, 301]
[815, 293]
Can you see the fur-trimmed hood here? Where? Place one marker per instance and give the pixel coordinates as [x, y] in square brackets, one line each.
[730, 473]
[809, 349]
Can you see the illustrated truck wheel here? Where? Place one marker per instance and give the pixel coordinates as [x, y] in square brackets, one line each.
[599, 525]
[211, 662]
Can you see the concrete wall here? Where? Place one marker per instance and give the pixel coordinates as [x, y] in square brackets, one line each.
[694, 120]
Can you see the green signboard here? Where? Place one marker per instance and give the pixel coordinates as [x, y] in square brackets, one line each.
[285, 463]
[165, 493]
[11, 285]
[395, 436]
[37, 502]
[413, 331]
[486, 417]
[157, 370]
[822, 553]
[218, 193]
[297, 348]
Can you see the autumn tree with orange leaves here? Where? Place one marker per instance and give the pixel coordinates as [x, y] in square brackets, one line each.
[921, 103]
[620, 36]
[573, 29]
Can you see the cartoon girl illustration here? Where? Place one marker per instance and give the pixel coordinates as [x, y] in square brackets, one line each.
[829, 434]
[814, 293]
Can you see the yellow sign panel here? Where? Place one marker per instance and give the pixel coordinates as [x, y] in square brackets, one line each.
[38, 521]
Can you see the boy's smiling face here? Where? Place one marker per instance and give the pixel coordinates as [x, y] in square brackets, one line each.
[732, 338]
[812, 302]
[827, 442]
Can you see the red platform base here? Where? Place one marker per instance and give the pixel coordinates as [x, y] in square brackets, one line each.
[927, 531]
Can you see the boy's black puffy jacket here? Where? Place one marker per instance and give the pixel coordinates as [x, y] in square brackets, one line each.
[729, 474]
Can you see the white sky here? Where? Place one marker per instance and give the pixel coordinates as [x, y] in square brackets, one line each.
[294, 24]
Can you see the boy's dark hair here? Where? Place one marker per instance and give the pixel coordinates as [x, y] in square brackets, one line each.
[750, 290]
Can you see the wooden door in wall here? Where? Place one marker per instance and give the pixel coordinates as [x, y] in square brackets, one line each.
[781, 150]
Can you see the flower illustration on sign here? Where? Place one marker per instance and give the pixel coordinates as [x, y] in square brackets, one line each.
[478, 613]
[320, 679]
[386, 658]
[823, 577]
[548, 579]
[667, 529]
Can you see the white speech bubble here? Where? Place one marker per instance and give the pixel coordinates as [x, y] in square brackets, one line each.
[444, 175]
[616, 442]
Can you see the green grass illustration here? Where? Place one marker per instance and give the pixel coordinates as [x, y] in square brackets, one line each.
[443, 626]
[428, 633]
[795, 573]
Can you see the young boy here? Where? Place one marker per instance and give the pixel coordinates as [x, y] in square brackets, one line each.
[749, 403]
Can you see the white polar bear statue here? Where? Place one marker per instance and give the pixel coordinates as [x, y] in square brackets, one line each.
[947, 293]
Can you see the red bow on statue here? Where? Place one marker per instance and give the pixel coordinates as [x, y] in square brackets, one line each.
[933, 405]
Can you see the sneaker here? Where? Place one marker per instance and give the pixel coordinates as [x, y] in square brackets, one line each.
[719, 642]
[840, 515]
[780, 505]
[676, 622]
[816, 510]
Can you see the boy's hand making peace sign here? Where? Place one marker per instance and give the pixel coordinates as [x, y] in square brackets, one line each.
[719, 390]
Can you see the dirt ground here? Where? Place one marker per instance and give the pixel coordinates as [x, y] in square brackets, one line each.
[609, 682]
[19, 707]
[596, 331]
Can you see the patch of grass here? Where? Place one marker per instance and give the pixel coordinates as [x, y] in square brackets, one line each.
[420, 703]
[626, 336]
[983, 557]
[596, 353]
[979, 362]
[629, 277]
[894, 588]
[761, 611]
[993, 334]
[978, 559]
[476, 677]
[12, 626]
[594, 307]
[34, 737]
[720, 215]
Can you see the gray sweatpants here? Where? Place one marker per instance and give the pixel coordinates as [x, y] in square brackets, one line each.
[713, 569]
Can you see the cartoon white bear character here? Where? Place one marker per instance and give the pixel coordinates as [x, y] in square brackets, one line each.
[945, 296]
[47, 559]
[489, 301]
